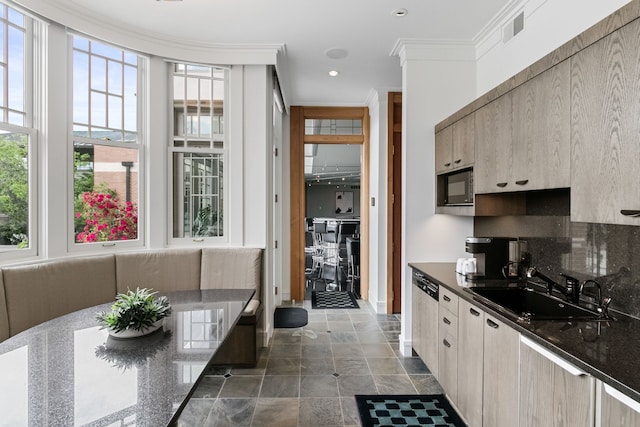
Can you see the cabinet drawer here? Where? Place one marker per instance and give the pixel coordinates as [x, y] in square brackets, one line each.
[449, 300]
[448, 323]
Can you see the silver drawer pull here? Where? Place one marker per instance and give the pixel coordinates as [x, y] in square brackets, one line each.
[446, 321]
[446, 343]
[493, 324]
[446, 298]
[474, 312]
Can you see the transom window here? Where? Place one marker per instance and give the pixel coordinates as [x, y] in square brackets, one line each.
[106, 142]
[198, 150]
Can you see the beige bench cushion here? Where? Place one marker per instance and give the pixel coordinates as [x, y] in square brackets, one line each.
[40, 292]
[4, 317]
[233, 268]
[163, 270]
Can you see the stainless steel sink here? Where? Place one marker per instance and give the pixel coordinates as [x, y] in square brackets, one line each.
[531, 304]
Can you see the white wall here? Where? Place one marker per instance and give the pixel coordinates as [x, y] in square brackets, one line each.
[378, 104]
[436, 80]
[548, 24]
[321, 201]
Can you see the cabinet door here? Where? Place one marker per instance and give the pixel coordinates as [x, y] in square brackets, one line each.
[536, 382]
[444, 147]
[501, 369]
[541, 131]
[430, 334]
[605, 149]
[617, 409]
[417, 306]
[492, 167]
[553, 392]
[464, 141]
[470, 362]
[448, 365]
[448, 348]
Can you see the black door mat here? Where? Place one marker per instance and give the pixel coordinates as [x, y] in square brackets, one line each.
[407, 410]
[290, 317]
[333, 299]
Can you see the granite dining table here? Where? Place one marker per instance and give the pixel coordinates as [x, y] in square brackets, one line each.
[68, 371]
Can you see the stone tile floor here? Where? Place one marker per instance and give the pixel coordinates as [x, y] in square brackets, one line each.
[308, 376]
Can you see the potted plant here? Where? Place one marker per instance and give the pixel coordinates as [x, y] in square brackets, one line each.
[135, 313]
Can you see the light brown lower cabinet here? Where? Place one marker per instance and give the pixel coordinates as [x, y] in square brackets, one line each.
[553, 392]
[424, 328]
[448, 352]
[501, 371]
[617, 409]
[470, 362]
[417, 305]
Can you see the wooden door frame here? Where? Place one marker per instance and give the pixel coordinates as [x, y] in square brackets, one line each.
[298, 114]
[393, 126]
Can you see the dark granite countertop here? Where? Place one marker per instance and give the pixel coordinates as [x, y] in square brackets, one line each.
[68, 371]
[608, 350]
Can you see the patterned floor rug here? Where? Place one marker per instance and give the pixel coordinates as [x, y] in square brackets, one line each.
[333, 299]
[407, 411]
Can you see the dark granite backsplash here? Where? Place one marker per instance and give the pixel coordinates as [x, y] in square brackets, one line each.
[609, 253]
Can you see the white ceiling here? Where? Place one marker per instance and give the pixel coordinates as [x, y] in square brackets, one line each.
[366, 29]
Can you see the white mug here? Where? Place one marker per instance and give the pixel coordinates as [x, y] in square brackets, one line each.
[469, 266]
[460, 265]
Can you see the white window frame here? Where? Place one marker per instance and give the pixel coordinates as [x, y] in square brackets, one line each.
[139, 145]
[29, 129]
[224, 151]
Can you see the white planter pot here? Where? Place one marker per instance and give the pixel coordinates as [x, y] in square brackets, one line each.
[133, 333]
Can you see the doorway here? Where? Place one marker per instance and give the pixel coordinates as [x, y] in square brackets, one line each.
[332, 194]
[308, 126]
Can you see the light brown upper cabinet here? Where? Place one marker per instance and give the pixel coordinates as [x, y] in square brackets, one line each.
[523, 137]
[444, 150]
[541, 131]
[494, 151]
[455, 145]
[605, 120]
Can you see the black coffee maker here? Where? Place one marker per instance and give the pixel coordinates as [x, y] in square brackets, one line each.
[491, 254]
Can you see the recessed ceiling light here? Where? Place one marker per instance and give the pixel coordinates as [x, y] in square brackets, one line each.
[400, 12]
[333, 73]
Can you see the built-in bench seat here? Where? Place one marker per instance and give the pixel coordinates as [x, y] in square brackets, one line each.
[34, 293]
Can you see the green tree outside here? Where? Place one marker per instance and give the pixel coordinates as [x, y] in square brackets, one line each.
[14, 188]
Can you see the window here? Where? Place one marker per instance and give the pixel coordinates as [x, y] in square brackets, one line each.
[106, 142]
[333, 127]
[17, 136]
[198, 151]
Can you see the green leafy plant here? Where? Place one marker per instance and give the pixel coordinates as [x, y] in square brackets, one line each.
[135, 310]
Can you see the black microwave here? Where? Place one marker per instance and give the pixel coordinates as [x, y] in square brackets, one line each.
[458, 188]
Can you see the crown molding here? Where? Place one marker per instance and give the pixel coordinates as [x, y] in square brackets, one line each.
[433, 50]
[152, 43]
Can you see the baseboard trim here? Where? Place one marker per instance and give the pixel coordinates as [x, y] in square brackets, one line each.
[406, 346]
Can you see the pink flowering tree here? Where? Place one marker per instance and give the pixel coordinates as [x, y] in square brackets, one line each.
[106, 218]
